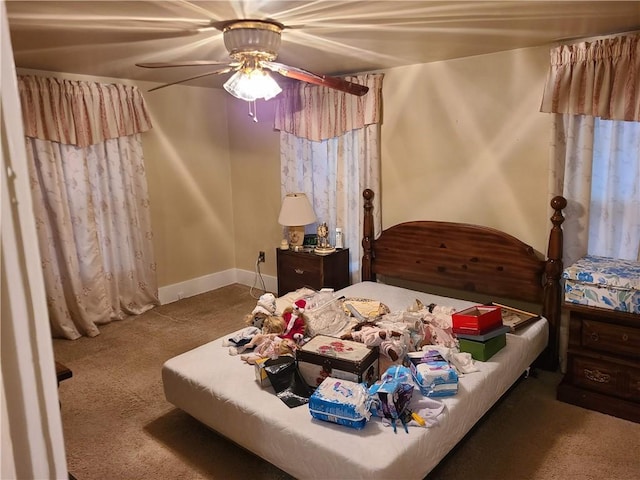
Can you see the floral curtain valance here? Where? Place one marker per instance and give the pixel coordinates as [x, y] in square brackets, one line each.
[80, 113]
[599, 79]
[319, 113]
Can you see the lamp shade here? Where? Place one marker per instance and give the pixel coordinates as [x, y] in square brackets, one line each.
[252, 84]
[296, 210]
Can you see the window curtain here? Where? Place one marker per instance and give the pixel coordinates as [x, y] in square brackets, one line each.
[330, 150]
[594, 91]
[91, 203]
[597, 79]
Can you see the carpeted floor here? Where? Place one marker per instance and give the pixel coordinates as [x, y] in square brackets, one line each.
[118, 425]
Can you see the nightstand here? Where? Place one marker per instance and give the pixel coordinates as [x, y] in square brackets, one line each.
[603, 361]
[304, 269]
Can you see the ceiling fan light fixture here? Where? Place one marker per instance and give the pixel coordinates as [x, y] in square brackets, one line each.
[253, 46]
[252, 84]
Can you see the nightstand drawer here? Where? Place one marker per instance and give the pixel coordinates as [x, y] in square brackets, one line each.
[305, 269]
[603, 361]
[597, 375]
[291, 277]
[619, 340]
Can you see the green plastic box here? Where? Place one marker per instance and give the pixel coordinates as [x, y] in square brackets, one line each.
[483, 351]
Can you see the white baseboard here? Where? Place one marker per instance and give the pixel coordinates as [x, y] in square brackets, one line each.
[213, 281]
[245, 277]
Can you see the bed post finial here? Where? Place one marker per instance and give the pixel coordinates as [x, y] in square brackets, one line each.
[551, 308]
[367, 237]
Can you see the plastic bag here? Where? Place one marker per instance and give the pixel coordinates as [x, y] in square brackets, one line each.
[392, 394]
[286, 381]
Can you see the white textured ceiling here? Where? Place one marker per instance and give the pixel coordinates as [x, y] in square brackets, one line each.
[106, 38]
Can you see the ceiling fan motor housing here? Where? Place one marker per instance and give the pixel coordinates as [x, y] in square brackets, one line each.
[252, 37]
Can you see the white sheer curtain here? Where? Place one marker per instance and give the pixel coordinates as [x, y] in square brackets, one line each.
[614, 216]
[330, 150]
[90, 203]
[595, 164]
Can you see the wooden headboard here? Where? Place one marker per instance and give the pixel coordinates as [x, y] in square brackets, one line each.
[471, 258]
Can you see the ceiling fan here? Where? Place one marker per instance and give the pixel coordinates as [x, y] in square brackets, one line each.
[253, 46]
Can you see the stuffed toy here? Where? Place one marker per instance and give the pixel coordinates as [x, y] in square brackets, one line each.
[240, 339]
[271, 347]
[295, 322]
[391, 343]
[265, 307]
[437, 324]
[272, 327]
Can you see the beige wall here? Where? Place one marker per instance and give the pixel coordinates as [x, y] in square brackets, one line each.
[462, 140]
[255, 173]
[190, 188]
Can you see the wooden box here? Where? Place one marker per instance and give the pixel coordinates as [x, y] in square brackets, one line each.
[325, 356]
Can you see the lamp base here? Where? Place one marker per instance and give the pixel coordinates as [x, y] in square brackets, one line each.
[296, 236]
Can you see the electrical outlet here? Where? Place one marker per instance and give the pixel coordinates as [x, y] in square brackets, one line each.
[260, 257]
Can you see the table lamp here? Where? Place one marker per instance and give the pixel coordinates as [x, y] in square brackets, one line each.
[296, 212]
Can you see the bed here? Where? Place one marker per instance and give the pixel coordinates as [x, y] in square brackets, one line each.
[220, 391]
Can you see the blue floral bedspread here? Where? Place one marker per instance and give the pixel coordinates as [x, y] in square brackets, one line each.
[604, 282]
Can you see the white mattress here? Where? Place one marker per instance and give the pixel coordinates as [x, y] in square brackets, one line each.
[220, 391]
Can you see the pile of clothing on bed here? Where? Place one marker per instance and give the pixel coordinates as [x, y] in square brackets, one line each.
[280, 326]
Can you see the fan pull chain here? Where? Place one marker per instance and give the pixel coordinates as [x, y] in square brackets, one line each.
[253, 111]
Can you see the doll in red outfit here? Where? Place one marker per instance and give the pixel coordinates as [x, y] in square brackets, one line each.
[295, 322]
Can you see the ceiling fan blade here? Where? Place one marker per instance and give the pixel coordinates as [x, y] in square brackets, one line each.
[215, 72]
[316, 79]
[185, 63]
